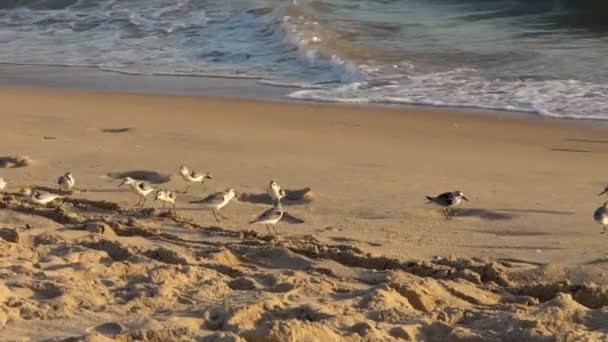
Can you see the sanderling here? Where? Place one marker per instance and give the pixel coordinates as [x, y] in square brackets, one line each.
[43, 198]
[193, 176]
[601, 216]
[217, 201]
[270, 217]
[2, 184]
[66, 182]
[141, 188]
[274, 191]
[166, 196]
[448, 200]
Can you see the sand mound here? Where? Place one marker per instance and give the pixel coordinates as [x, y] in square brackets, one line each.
[111, 274]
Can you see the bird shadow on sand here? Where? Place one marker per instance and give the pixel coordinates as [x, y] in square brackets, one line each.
[292, 197]
[288, 218]
[15, 162]
[52, 190]
[570, 150]
[536, 211]
[509, 232]
[354, 241]
[588, 141]
[149, 176]
[117, 189]
[484, 214]
[117, 130]
[523, 248]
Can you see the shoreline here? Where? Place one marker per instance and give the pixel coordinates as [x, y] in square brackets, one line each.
[93, 79]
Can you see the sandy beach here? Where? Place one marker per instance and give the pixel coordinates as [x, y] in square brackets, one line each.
[522, 260]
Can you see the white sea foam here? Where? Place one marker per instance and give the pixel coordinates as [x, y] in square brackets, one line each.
[555, 98]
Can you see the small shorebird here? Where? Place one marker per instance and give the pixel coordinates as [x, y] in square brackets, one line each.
[166, 196]
[601, 216]
[193, 176]
[66, 182]
[2, 184]
[43, 198]
[25, 192]
[270, 217]
[448, 200]
[217, 201]
[141, 188]
[274, 191]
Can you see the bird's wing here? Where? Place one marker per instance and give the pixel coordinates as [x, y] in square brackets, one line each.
[599, 212]
[291, 219]
[294, 195]
[196, 175]
[145, 186]
[215, 198]
[445, 198]
[269, 214]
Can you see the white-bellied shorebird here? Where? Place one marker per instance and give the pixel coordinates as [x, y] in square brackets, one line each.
[140, 187]
[274, 191]
[166, 196]
[270, 217]
[601, 216]
[43, 197]
[215, 202]
[193, 176]
[66, 182]
[448, 200]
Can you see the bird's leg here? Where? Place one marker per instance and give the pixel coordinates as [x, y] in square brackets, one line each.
[143, 202]
[215, 215]
[604, 232]
[268, 229]
[187, 187]
[446, 212]
[275, 230]
[138, 201]
[224, 217]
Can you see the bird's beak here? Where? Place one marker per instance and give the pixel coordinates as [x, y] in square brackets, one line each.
[464, 198]
[601, 193]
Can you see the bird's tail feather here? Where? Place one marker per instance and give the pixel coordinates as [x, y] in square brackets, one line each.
[429, 198]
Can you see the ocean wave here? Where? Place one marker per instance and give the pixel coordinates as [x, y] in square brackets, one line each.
[464, 88]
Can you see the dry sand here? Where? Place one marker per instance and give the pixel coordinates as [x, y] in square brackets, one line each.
[522, 260]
